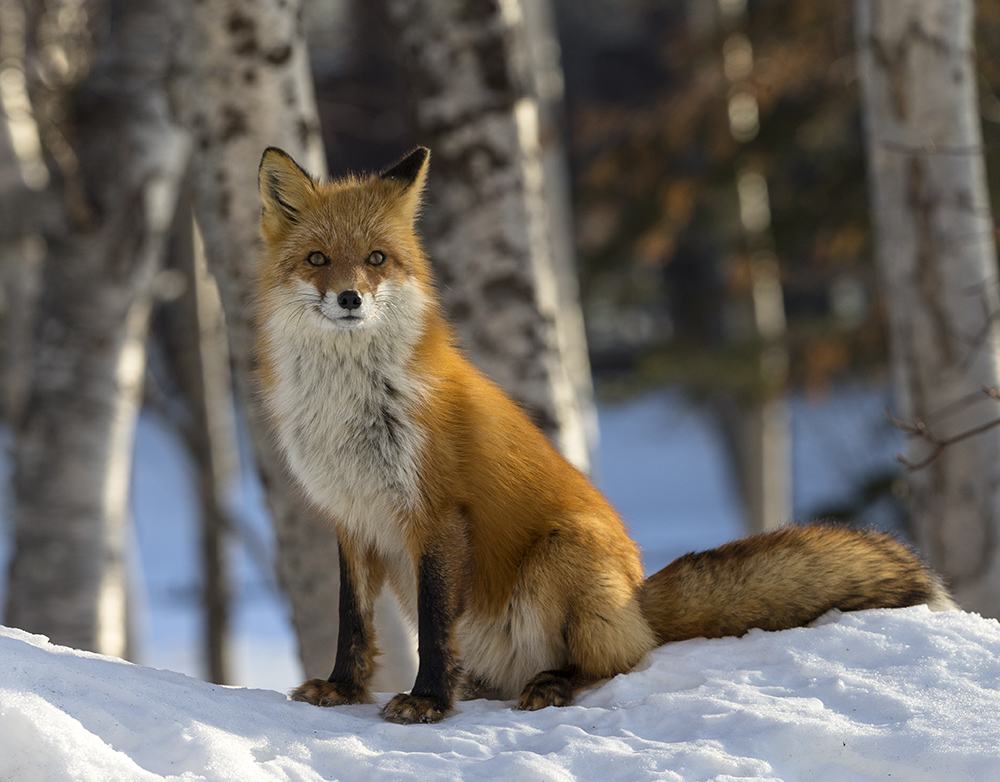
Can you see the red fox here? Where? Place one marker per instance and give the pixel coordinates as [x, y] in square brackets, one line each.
[521, 579]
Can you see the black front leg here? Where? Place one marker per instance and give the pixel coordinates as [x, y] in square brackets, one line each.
[356, 648]
[439, 600]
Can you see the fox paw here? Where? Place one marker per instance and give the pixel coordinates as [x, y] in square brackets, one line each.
[320, 692]
[409, 709]
[549, 688]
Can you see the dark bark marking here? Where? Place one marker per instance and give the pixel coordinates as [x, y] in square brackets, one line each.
[244, 30]
[279, 55]
[307, 129]
[922, 206]
[234, 123]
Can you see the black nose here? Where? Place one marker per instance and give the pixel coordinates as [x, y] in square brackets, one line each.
[349, 300]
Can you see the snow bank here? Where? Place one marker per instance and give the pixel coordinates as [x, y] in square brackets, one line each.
[876, 695]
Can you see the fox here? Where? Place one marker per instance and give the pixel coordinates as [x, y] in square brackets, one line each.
[520, 578]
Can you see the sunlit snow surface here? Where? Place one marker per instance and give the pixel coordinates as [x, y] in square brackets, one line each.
[879, 695]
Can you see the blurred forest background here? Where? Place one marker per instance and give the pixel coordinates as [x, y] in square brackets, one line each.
[686, 191]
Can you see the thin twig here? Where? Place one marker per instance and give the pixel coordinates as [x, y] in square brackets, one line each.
[919, 429]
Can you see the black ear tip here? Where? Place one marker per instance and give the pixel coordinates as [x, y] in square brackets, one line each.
[280, 165]
[409, 168]
[269, 154]
[274, 152]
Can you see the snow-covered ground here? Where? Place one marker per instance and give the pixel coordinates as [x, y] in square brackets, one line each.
[880, 695]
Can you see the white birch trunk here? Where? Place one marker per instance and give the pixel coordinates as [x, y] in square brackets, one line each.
[248, 86]
[548, 89]
[487, 222]
[74, 434]
[938, 266]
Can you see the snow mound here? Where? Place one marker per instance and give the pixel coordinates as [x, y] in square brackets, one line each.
[892, 694]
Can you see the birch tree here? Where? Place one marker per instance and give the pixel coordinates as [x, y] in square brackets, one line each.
[756, 425]
[192, 337]
[468, 69]
[116, 164]
[938, 266]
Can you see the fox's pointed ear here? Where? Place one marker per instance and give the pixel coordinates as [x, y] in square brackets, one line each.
[411, 169]
[410, 172]
[285, 189]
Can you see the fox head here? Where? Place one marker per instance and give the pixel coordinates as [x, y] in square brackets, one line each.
[344, 254]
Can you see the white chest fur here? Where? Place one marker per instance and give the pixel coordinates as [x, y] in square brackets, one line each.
[343, 401]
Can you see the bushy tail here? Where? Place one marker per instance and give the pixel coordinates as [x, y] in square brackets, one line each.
[785, 578]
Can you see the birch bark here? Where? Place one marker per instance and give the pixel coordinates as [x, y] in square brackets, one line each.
[487, 220]
[938, 265]
[97, 93]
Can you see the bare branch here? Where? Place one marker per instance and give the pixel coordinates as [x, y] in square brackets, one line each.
[918, 429]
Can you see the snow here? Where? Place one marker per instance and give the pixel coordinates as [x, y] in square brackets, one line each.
[876, 695]
[891, 694]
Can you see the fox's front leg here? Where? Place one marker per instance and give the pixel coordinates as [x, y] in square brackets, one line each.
[361, 578]
[442, 576]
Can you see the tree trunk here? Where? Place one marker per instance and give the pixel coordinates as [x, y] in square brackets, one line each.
[120, 168]
[28, 207]
[755, 423]
[198, 355]
[548, 88]
[20, 283]
[487, 222]
[248, 86]
[938, 266]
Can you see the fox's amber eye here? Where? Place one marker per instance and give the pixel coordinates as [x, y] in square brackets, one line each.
[317, 259]
[377, 258]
